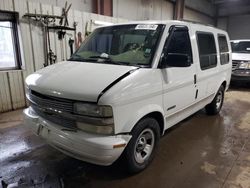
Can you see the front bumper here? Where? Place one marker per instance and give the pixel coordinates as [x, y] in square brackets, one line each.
[93, 148]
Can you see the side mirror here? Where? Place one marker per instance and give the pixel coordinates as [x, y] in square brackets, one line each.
[175, 60]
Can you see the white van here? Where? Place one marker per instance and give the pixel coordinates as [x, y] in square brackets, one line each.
[125, 86]
[240, 60]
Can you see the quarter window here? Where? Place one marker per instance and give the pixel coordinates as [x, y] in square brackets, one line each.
[207, 50]
[224, 51]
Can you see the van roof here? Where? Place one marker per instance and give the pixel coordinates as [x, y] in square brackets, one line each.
[178, 22]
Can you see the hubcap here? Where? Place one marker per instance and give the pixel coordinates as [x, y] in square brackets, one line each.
[144, 145]
[219, 99]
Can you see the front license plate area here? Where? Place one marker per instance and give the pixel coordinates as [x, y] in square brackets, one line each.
[42, 130]
[39, 128]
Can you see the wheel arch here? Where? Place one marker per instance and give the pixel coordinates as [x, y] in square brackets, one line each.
[158, 116]
[224, 84]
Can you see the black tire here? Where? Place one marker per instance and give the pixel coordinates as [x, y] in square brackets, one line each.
[145, 126]
[215, 106]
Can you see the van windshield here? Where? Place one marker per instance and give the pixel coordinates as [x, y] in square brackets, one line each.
[132, 45]
[241, 47]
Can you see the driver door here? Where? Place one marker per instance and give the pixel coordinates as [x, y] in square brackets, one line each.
[179, 83]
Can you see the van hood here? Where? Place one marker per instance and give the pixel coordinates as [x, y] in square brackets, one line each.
[76, 80]
[241, 56]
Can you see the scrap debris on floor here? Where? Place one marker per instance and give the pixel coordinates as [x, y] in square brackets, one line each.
[201, 151]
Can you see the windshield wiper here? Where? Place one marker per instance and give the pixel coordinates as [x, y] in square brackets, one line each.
[140, 65]
[76, 57]
[110, 60]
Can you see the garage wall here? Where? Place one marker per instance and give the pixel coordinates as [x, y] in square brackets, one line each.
[238, 27]
[143, 9]
[82, 5]
[222, 23]
[163, 10]
[12, 94]
[204, 6]
[190, 14]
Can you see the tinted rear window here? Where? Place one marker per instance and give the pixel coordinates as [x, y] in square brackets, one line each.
[207, 50]
[224, 50]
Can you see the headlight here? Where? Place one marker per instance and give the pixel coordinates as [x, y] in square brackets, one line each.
[244, 65]
[100, 118]
[104, 129]
[93, 110]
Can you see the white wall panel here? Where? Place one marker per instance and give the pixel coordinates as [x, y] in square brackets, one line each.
[69, 34]
[143, 9]
[59, 49]
[5, 99]
[48, 9]
[17, 89]
[37, 36]
[82, 5]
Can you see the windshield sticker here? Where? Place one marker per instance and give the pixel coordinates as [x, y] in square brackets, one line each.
[146, 27]
[147, 51]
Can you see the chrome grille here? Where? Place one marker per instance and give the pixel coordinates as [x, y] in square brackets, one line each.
[235, 64]
[43, 103]
[55, 118]
[49, 102]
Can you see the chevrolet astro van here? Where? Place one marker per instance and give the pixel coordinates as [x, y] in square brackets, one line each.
[125, 86]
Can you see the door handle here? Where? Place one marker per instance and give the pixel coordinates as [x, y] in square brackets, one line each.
[196, 93]
[195, 79]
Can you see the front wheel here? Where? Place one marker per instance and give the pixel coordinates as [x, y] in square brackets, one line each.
[215, 106]
[141, 148]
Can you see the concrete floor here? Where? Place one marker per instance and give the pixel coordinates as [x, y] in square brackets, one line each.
[201, 151]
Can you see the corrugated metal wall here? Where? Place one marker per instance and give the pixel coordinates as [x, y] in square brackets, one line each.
[162, 10]
[143, 9]
[12, 92]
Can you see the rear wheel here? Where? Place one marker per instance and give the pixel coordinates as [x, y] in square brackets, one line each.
[141, 148]
[215, 106]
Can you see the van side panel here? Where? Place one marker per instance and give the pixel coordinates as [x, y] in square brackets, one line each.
[142, 92]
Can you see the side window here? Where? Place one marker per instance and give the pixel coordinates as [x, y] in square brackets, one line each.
[207, 50]
[224, 51]
[180, 43]
[10, 57]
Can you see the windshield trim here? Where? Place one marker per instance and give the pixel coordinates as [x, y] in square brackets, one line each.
[149, 65]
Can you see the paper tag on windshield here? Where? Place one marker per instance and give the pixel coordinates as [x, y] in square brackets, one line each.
[146, 27]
